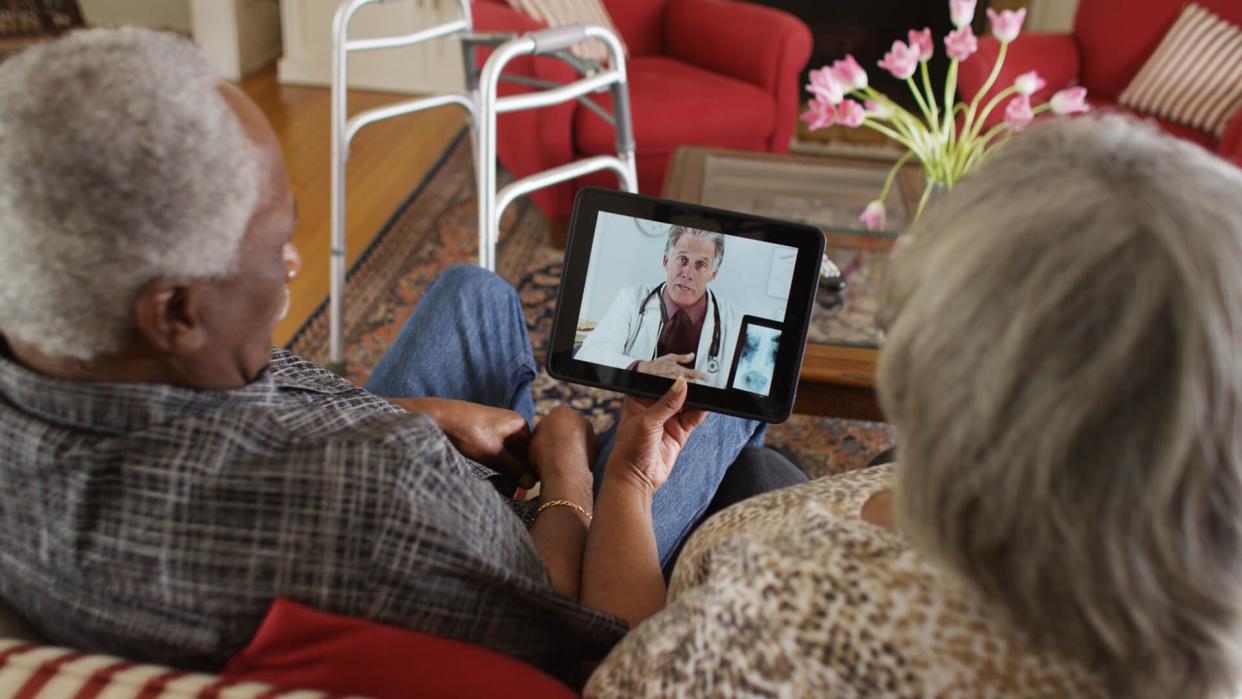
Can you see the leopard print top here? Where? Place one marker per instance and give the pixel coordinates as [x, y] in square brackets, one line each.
[792, 594]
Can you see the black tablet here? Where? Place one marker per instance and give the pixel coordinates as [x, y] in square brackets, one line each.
[653, 289]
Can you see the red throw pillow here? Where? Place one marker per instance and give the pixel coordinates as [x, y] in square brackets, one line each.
[300, 647]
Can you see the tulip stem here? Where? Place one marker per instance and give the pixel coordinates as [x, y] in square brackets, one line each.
[927, 190]
[950, 87]
[931, 96]
[892, 175]
[901, 119]
[983, 116]
[987, 85]
[911, 147]
[922, 104]
[941, 138]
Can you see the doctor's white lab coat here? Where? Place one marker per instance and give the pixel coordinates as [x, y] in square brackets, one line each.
[624, 336]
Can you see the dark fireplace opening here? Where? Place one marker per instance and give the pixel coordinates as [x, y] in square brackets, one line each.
[868, 29]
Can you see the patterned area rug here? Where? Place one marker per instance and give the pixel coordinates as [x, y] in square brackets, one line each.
[435, 228]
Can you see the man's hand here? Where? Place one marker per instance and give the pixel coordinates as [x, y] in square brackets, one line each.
[651, 435]
[495, 437]
[672, 366]
[563, 445]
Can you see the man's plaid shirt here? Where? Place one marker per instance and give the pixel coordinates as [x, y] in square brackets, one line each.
[159, 523]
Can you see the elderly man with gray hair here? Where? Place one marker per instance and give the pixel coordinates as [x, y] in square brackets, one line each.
[678, 328]
[168, 474]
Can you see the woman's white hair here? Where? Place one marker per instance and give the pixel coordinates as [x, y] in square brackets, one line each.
[1064, 369]
[120, 162]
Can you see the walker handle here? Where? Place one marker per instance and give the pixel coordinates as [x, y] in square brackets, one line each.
[557, 38]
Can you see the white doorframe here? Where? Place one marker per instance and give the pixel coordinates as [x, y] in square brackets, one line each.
[215, 30]
[238, 36]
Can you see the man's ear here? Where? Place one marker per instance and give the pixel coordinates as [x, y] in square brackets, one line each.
[169, 316]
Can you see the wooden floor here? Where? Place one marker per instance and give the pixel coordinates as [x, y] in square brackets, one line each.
[387, 161]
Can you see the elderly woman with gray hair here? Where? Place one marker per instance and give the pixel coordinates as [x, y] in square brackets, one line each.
[1063, 367]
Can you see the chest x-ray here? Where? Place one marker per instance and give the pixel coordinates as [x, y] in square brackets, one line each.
[757, 359]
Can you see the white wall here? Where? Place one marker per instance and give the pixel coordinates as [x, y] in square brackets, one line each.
[624, 255]
[1052, 15]
[432, 67]
[172, 15]
[238, 36]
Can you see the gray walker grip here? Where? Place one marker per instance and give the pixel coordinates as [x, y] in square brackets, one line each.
[557, 38]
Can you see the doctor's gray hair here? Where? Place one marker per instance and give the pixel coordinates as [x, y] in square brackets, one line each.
[676, 232]
[1063, 369]
[120, 162]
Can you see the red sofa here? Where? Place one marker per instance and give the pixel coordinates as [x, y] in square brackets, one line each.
[328, 656]
[701, 72]
[1111, 41]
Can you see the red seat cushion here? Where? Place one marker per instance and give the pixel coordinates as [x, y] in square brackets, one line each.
[674, 104]
[300, 647]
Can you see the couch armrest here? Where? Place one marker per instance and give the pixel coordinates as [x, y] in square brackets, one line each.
[1230, 146]
[761, 45]
[1054, 56]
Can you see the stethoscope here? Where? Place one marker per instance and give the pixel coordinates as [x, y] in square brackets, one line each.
[713, 352]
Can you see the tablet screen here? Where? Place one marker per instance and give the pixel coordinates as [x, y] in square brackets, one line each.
[690, 289]
[654, 290]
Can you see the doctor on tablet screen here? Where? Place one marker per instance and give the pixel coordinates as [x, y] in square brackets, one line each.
[676, 328]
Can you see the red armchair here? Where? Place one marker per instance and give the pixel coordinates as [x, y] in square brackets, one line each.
[701, 72]
[1111, 41]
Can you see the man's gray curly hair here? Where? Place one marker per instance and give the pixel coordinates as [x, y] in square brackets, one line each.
[120, 162]
[1064, 370]
[676, 232]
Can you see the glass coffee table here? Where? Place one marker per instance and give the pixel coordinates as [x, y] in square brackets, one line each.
[838, 369]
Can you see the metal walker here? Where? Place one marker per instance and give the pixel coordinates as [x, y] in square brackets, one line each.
[482, 104]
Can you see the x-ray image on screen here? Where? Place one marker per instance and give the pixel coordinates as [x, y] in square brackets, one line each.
[757, 359]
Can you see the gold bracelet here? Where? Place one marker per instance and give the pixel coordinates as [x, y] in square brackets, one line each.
[563, 503]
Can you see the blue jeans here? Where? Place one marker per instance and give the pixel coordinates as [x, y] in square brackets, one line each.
[467, 340]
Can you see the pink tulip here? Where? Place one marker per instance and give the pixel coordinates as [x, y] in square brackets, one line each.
[1071, 100]
[962, 12]
[1007, 24]
[1029, 83]
[923, 42]
[850, 114]
[821, 114]
[849, 74]
[825, 85]
[1018, 114]
[961, 44]
[873, 218]
[901, 60]
[877, 110]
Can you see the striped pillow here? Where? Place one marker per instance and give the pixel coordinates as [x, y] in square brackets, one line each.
[32, 671]
[560, 13]
[1195, 76]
